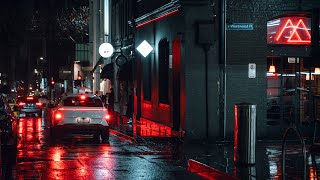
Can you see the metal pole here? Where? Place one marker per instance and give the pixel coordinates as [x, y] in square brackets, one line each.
[95, 19]
[223, 66]
[314, 49]
[137, 90]
[205, 48]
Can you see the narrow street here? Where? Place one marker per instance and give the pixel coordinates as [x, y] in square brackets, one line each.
[81, 158]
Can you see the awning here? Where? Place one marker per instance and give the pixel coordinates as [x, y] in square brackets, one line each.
[125, 72]
[107, 71]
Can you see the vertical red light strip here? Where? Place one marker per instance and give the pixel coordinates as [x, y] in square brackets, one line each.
[158, 18]
[235, 141]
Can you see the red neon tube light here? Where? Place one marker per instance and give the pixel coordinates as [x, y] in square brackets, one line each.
[158, 18]
[289, 25]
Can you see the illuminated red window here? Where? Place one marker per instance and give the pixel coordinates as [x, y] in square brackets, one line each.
[289, 30]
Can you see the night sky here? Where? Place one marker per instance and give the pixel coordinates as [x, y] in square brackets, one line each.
[29, 29]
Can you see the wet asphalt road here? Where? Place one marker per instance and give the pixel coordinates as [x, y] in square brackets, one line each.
[80, 158]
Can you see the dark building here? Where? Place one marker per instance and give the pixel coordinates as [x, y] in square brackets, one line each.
[170, 82]
[209, 56]
[283, 35]
[12, 31]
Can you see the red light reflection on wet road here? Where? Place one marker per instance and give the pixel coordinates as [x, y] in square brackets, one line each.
[81, 163]
[29, 130]
[38, 159]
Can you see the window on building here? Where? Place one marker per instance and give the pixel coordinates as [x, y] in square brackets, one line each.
[164, 71]
[147, 78]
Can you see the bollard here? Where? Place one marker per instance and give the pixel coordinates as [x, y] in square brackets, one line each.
[245, 134]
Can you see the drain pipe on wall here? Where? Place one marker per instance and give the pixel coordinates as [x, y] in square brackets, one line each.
[206, 50]
[206, 43]
[223, 62]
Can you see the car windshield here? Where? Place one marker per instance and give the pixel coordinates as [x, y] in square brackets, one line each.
[87, 102]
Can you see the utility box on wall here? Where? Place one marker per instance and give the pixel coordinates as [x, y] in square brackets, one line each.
[205, 33]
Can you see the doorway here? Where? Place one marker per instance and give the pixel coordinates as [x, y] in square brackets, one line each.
[290, 90]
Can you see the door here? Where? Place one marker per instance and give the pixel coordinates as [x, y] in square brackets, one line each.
[290, 87]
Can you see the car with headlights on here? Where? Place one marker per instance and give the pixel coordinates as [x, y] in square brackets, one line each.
[80, 114]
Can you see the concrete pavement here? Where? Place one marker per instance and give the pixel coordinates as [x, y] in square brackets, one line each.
[216, 160]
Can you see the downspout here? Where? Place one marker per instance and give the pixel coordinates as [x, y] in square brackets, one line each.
[206, 50]
[223, 65]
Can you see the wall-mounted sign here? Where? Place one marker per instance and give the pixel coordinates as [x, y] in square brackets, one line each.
[240, 26]
[144, 48]
[293, 60]
[106, 50]
[289, 30]
[252, 70]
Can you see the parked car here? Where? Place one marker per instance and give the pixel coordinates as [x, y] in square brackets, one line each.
[28, 105]
[8, 124]
[81, 114]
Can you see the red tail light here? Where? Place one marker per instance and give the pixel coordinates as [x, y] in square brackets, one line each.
[57, 116]
[107, 117]
[82, 97]
[21, 103]
[39, 104]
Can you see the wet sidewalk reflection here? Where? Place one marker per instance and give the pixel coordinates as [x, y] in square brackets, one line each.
[220, 156]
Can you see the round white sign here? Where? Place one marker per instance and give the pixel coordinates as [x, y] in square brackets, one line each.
[106, 50]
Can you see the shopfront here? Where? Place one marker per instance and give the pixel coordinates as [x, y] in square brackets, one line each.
[292, 78]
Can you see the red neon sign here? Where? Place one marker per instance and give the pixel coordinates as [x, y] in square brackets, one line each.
[158, 18]
[289, 26]
[289, 30]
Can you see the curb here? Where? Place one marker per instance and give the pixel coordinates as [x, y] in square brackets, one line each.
[124, 136]
[207, 172]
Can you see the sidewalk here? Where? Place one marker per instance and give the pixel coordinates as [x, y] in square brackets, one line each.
[216, 160]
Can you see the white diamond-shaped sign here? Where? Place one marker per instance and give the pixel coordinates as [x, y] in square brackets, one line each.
[144, 48]
[106, 50]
